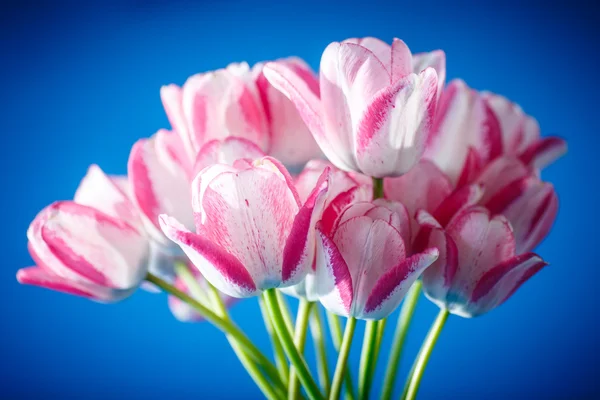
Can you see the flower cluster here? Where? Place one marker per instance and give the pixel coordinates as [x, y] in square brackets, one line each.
[404, 179]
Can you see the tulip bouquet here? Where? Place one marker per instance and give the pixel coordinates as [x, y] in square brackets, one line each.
[399, 184]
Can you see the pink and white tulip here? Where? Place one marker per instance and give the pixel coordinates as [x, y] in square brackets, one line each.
[472, 129]
[215, 105]
[83, 251]
[238, 101]
[478, 267]
[363, 269]
[159, 177]
[375, 107]
[332, 190]
[252, 230]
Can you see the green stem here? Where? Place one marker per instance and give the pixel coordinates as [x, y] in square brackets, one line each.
[340, 367]
[280, 360]
[317, 331]
[380, 331]
[378, 188]
[285, 311]
[299, 342]
[296, 359]
[406, 314]
[268, 390]
[367, 359]
[335, 329]
[222, 324]
[414, 380]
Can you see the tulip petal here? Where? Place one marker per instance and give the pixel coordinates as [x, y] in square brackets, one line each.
[391, 288]
[438, 278]
[369, 248]
[285, 79]
[99, 191]
[159, 181]
[107, 251]
[226, 151]
[500, 282]
[457, 201]
[544, 152]
[471, 168]
[482, 242]
[222, 269]
[291, 140]
[499, 174]
[249, 214]
[424, 186]
[394, 127]
[172, 97]
[220, 104]
[299, 251]
[434, 59]
[333, 279]
[532, 215]
[378, 47]
[41, 277]
[463, 119]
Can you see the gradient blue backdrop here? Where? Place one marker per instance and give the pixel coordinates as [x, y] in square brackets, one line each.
[80, 83]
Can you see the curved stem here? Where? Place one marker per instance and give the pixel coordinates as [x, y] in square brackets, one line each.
[268, 390]
[406, 313]
[378, 188]
[224, 325]
[414, 380]
[317, 331]
[299, 342]
[340, 367]
[335, 329]
[285, 311]
[367, 359]
[280, 360]
[296, 359]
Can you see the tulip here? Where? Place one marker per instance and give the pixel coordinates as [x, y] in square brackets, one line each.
[472, 129]
[478, 267]
[362, 266]
[341, 189]
[376, 104]
[215, 105]
[252, 230]
[238, 101]
[159, 177]
[83, 251]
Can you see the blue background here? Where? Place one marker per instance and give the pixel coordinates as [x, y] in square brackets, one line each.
[80, 83]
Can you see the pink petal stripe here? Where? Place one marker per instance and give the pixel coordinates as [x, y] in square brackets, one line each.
[226, 151]
[227, 265]
[393, 279]
[458, 200]
[41, 277]
[338, 269]
[295, 254]
[471, 167]
[495, 274]
[544, 152]
[509, 193]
